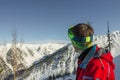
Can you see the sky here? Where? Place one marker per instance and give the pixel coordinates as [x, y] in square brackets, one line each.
[43, 20]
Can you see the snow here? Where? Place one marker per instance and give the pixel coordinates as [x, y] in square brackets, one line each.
[34, 55]
[70, 77]
[117, 70]
[115, 52]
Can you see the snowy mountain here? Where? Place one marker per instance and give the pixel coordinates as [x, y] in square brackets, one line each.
[49, 61]
[61, 62]
[102, 40]
[26, 55]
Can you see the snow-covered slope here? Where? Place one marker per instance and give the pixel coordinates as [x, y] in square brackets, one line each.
[31, 52]
[50, 61]
[25, 55]
[61, 62]
[102, 40]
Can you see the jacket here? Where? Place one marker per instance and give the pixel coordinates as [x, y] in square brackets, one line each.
[95, 64]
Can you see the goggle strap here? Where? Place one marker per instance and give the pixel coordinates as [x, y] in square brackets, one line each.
[70, 34]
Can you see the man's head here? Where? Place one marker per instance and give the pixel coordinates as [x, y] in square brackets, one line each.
[81, 36]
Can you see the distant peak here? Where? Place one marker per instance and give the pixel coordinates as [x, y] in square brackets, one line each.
[116, 32]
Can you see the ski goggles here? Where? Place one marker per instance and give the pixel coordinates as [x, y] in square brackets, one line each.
[80, 42]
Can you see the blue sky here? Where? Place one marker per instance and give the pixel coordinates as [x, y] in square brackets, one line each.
[42, 20]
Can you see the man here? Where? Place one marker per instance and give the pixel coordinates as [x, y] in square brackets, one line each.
[94, 63]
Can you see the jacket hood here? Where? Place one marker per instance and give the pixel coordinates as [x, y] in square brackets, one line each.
[109, 58]
[98, 53]
[106, 56]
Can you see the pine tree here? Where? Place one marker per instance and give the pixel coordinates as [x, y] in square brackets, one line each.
[109, 39]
